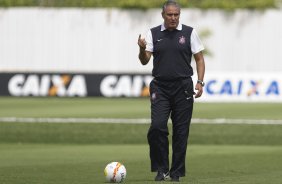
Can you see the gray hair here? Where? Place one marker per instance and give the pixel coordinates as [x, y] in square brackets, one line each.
[171, 3]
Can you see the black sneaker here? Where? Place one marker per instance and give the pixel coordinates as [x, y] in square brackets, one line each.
[161, 176]
[174, 178]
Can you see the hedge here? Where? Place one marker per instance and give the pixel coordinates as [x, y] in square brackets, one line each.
[142, 4]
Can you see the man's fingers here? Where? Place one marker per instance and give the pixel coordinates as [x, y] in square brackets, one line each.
[199, 93]
[141, 42]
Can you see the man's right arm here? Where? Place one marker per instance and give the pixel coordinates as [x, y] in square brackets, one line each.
[144, 56]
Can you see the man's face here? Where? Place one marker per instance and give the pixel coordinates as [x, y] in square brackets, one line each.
[171, 16]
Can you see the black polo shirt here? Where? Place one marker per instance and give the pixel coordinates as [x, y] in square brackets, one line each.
[172, 53]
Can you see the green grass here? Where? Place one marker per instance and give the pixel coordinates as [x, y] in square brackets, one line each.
[74, 153]
[75, 133]
[84, 164]
[74, 107]
[127, 108]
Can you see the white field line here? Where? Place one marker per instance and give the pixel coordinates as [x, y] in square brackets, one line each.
[74, 120]
[136, 121]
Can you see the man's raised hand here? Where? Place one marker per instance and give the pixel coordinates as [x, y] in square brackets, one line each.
[141, 42]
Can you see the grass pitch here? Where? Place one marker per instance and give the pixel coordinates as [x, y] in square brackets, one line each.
[83, 164]
[76, 153]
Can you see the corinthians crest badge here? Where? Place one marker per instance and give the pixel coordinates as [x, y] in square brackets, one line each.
[182, 40]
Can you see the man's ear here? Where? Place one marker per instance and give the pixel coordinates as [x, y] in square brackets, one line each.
[163, 14]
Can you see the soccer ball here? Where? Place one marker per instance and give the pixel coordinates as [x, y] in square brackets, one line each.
[115, 172]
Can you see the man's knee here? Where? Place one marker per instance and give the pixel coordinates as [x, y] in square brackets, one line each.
[156, 132]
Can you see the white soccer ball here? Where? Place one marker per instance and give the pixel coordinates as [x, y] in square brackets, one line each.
[115, 172]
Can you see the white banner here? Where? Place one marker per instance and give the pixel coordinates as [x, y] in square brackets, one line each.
[238, 87]
[105, 40]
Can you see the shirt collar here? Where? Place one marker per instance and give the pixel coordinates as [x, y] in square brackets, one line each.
[179, 27]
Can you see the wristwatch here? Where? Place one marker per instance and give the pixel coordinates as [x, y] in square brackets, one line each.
[201, 82]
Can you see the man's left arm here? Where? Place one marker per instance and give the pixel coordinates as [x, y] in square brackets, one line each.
[200, 66]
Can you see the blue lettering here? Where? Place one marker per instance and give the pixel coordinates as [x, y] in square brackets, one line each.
[240, 85]
[226, 88]
[208, 88]
[273, 88]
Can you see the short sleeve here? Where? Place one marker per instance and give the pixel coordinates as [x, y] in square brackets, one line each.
[196, 43]
[149, 41]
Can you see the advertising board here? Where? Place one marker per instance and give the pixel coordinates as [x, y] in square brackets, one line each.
[228, 87]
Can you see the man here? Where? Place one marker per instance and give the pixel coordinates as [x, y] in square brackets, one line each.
[172, 45]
